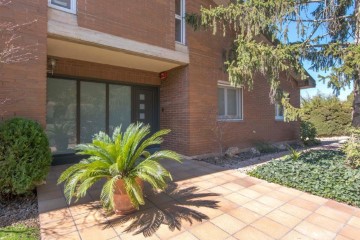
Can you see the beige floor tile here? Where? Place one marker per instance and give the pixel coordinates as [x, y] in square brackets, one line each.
[218, 181]
[164, 232]
[232, 186]
[294, 235]
[58, 228]
[280, 196]
[340, 237]
[284, 218]
[244, 182]
[290, 191]
[90, 219]
[313, 231]
[237, 198]
[299, 202]
[270, 227]
[245, 215]
[295, 211]
[269, 201]
[98, 232]
[340, 206]
[208, 231]
[55, 215]
[260, 189]
[350, 232]
[355, 222]
[228, 223]
[249, 193]
[83, 208]
[258, 207]
[325, 222]
[226, 205]
[70, 236]
[140, 236]
[251, 233]
[184, 236]
[333, 214]
[222, 191]
[313, 198]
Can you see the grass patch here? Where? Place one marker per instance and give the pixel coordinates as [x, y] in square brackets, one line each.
[18, 232]
[320, 172]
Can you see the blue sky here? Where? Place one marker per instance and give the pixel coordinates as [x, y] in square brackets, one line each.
[321, 87]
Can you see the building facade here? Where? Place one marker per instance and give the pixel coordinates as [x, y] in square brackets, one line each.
[98, 64]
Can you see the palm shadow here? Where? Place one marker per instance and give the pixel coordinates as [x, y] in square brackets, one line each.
[179, 210]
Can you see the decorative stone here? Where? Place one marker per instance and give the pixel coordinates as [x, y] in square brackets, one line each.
[281, 147]
[254, 151]
[232, 151]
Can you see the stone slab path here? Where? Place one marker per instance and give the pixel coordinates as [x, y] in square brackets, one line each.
[204, 202]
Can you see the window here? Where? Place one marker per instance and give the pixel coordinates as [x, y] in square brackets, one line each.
[229, 103]
[279, 111]
[180, 21]
[64, 5]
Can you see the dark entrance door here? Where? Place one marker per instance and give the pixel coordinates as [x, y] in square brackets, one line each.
[145, 107]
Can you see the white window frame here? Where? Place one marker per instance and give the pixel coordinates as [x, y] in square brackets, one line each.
[277, 112]
[71, 10]
[181, 17]
[240, 103]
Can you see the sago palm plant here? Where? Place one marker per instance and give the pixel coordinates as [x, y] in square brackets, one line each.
[123, 156]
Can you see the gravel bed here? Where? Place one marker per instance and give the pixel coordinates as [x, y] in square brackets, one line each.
[247, 161]
[19, 210]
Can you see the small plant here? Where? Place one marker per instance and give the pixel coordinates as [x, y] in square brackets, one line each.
[123, 160]
[25, 156]
[320, 172]
[295, 155]
[264, 147]
[308, 134]
[352, 149]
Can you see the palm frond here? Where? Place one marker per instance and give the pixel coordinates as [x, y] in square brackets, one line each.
[107, 193]
[122, 156]
[134, 191]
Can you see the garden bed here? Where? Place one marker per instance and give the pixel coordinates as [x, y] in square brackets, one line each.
[319, 172]
[19, 218]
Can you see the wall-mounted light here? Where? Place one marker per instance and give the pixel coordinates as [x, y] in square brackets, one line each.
[52, 66]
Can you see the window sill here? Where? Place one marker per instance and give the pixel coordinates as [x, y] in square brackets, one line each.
[279, 119]
[72, 11]
[229, 120]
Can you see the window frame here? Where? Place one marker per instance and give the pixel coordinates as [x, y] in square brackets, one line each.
[277, 111]
[181, 17]
[239, 103]
[71, 10]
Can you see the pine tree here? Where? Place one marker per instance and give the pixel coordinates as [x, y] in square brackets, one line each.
[329, 33]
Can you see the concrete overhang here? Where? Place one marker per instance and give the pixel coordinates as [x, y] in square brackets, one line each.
[66, 39]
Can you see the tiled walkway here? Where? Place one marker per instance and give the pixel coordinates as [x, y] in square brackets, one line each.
[204, 202]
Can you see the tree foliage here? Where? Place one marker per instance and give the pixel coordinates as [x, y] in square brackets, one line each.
[277, 36]
[329, 115]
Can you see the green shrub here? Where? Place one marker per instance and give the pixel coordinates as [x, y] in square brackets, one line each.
[25, 156]
[352, 149]
[308, 134]
[320, 172]
[330, 116]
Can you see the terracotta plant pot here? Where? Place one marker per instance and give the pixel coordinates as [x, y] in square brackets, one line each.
[122, 203]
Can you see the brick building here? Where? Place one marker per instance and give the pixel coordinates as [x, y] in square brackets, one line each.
[98, 66]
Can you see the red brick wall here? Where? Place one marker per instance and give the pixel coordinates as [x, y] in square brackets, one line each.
[150, 21]
[76, 68]
[24, 83]
[205, 69]
[174, 110]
